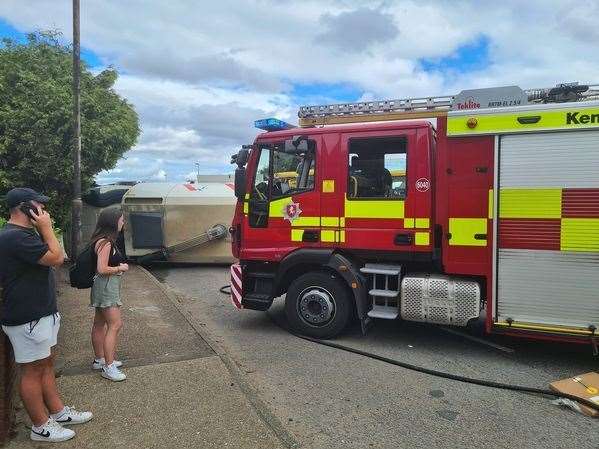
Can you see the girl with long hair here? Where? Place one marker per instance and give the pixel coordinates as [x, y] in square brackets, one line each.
[106, 293]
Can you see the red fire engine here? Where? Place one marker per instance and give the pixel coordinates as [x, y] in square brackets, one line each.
[483, 205]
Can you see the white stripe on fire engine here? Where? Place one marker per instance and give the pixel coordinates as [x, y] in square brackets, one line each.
[235, 295]
[236, 302]
[236, 277]
[235, 286]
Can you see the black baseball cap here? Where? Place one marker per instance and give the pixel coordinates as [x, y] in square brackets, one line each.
[21, 194]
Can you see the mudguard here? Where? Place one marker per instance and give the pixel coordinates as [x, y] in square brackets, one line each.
[349, 272]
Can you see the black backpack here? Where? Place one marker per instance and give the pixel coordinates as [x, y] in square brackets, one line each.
[81, 274]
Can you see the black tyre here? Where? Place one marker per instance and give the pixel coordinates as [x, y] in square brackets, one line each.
[318, 304]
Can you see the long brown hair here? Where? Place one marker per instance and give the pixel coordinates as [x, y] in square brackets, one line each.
[107, 227]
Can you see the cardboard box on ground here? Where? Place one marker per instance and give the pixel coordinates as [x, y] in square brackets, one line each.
[584, 386]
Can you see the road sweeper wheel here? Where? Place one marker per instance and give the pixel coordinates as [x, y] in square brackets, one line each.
[318, 305]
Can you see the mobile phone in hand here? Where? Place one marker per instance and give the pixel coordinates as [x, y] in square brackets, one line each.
[28, 209]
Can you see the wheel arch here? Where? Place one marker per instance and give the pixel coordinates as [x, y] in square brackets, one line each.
[297, 263]
[342, 265]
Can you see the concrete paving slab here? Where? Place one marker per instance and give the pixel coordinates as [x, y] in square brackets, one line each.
[187, 404]
[154, 330]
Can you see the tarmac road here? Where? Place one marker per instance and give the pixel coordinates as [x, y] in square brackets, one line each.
[327, 398]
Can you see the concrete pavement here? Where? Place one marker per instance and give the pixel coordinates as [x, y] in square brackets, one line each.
[179, 392]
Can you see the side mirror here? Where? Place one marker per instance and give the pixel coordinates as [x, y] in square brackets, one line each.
[241, 157]
[297, 145]
[240, 183]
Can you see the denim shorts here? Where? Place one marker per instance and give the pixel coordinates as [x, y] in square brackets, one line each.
[106, 291]
[32, 341]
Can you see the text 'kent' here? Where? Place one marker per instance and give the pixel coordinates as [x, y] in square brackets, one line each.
[576, 118]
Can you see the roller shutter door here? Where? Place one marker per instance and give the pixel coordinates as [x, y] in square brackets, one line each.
[548, 229]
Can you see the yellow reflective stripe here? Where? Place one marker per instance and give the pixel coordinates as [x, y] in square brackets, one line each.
[422, 223]
[543, 328]
[580, 234]
[306, 221]
[327, 235]
[275, 208]
[246, 207]
[328, 185]
[342, 222]
[341, 236]
[408, 223]
[247, 196]
[329, 221]
[530, 203]
[297, 235]
[567, 118]
[374, 209]
[422, 238]
[462, 231]
[491, 203]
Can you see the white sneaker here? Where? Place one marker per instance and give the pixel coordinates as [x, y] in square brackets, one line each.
[71, 416]
[111, 372]
[98, 364]
[51, 431]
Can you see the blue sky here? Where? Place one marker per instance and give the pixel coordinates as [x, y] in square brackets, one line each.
[309, 93]
[469, 57]
[8, 31]
[200, 77]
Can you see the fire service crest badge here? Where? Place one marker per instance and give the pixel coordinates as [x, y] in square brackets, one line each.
[291, 211]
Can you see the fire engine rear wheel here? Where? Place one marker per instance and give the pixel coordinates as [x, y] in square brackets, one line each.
[318, 304]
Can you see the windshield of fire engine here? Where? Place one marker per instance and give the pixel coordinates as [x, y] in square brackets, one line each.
[292, 173]
[280, 174]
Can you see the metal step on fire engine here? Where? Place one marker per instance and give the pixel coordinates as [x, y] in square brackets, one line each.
[386, 281]
[257, 286]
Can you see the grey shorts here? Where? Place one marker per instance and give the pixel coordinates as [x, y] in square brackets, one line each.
[106, 291]
[32, 341]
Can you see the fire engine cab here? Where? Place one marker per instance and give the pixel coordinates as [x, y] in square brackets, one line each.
[478, 206]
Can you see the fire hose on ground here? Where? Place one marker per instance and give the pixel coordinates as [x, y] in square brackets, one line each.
[225, 289]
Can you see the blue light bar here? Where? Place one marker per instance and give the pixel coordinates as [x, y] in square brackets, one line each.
[272, 124]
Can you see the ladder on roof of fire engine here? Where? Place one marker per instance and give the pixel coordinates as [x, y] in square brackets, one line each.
[428, 106]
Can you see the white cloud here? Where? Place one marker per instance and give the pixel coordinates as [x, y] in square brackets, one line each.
[341, 30]
[200, 73]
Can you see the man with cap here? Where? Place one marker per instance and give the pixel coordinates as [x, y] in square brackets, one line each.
[28, 252]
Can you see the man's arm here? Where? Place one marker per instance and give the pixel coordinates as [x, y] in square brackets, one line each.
[54, 256]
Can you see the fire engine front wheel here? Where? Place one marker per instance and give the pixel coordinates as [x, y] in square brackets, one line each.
[318, 305]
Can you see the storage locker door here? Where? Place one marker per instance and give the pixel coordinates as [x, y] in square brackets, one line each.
[548, 229]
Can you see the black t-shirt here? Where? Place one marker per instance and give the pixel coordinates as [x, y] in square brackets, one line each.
[28, 289]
